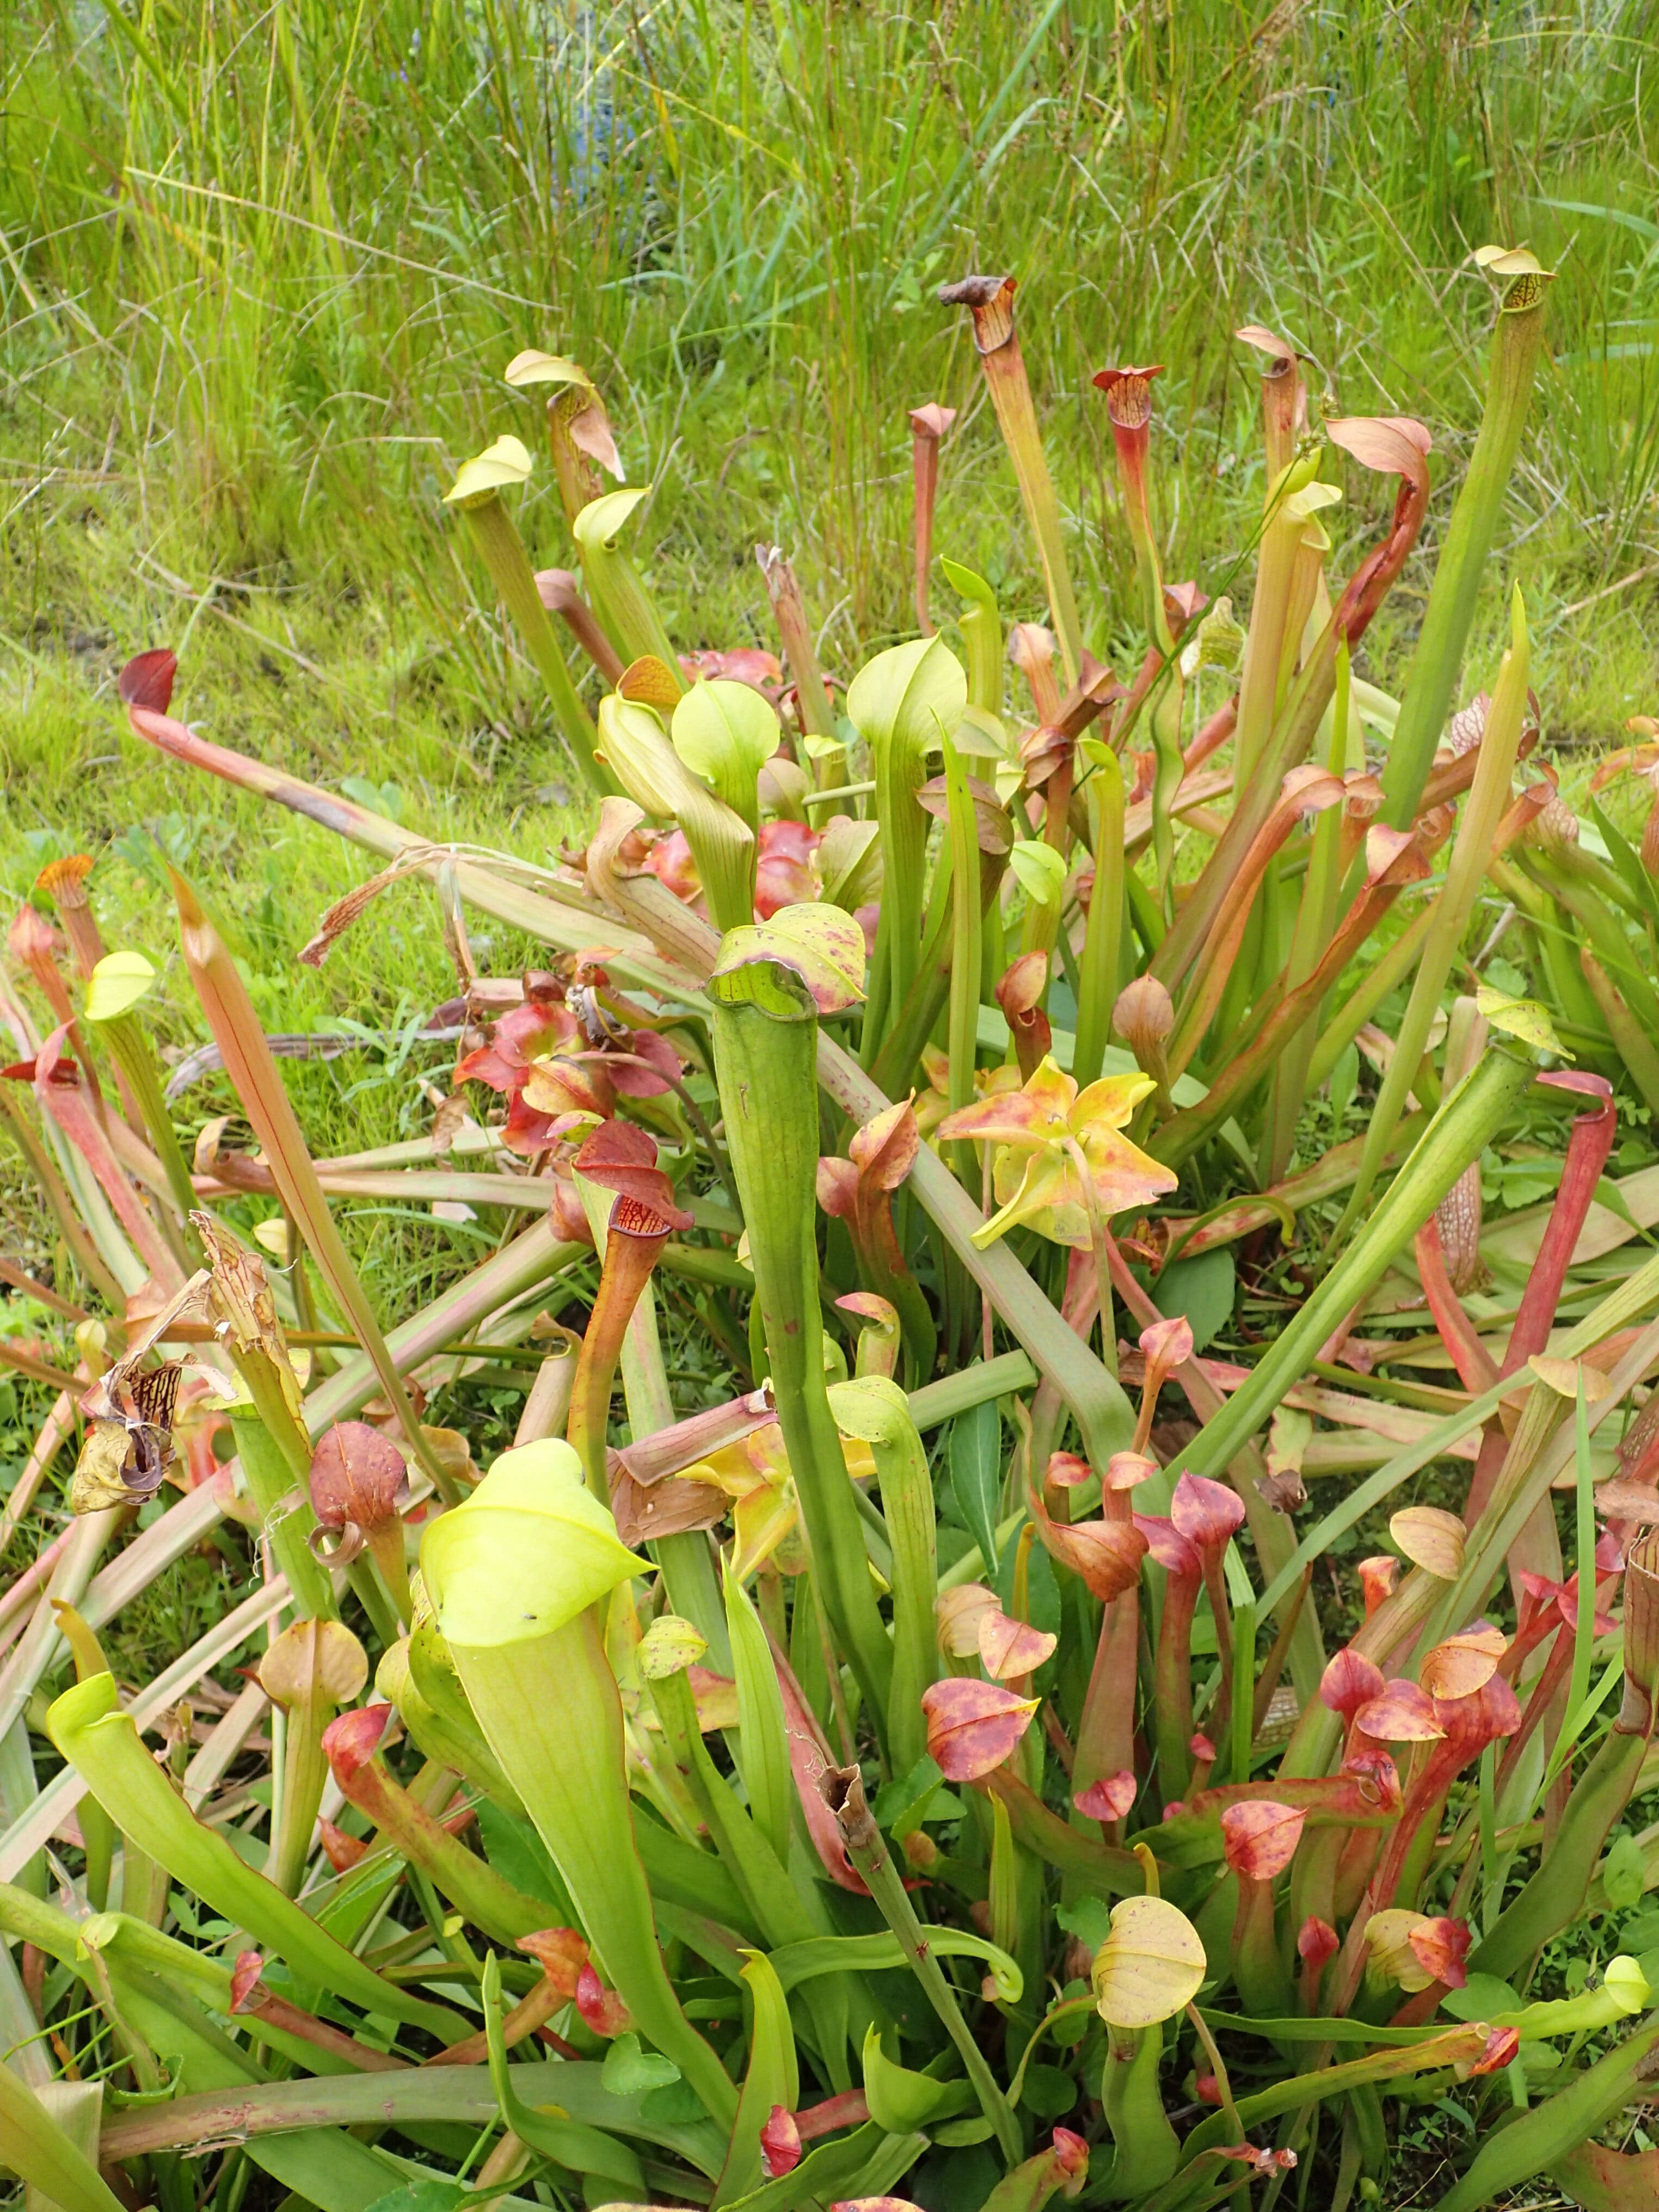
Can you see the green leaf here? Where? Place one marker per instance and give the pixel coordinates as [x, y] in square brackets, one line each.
[518, 1855]
[629, 2068]
[772, 2077]
[569, 2142]
[438, 2194]
[1525, 1018]
[912, 693]
[676, 2105]
[976, 1475]
[900, 2100]
[116, 984]
[1481, 1997]
[102, 1742]
[527, 1551]
[1041, 1589]
[901, 1805]
[725, 732]
[904, 703]
[1624, 1876]
[504, 464]
[823, 945]
[1039, 868]
[386, 798]
[762, 1736]
[1089, 1918]
[1048, 2092]
[1201, 1290]
[953, 2134]
[876, 1410]
[40, 2152]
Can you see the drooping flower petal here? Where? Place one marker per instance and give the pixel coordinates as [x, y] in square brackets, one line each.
[1168, 1547]
[1111, 1798]
[958, 1614]
[1150, 1964]
[779, 2143]
[1350, 1681]
[1206, 1513]
[1106, 1554]
[1401, 1712]
[1259, 1837]
[1440, 1947]
[1431, 1538]
[1009, 1649]
[1390, 1957]
[1464, 1663]
[973, 1726]
[1317, 1942]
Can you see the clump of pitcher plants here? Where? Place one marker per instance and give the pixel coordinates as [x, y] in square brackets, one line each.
[942, 1771]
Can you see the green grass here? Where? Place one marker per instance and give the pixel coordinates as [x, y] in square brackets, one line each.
[261, 272]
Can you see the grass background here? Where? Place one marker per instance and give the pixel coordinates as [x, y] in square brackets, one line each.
[262, 266]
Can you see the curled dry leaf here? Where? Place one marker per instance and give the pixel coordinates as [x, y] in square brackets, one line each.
[1259, 1837]
[1377, 1578]
[1150, 1965]
[602, 2009]
[357, 1475]
[973, 1726]
[561, 1952]
[1431, 1538]
[1285, 1492]
[1502, 2049]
